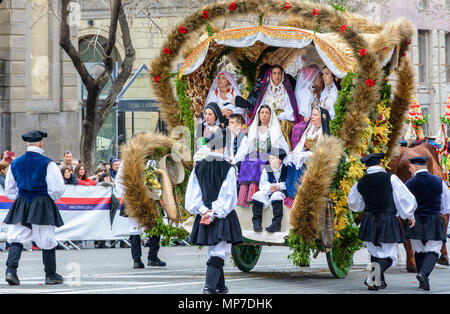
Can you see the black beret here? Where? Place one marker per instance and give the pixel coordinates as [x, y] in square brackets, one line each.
[372, 159]
[34, 136]
[278, 152]
[419, 160]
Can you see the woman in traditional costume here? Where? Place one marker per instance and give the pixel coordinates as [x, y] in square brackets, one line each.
[329, 95]
[306, 99]
[318, 126]
[223, 92]
[263, 134]
[212, 121]
[277, 92]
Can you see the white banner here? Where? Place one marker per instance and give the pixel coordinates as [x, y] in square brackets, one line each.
[86, 212]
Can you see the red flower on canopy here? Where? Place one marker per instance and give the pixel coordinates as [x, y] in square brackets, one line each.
[287, 6]
[370, 83]
[182, 30]
[315, 12]
[362, 52]
[167, 51]
[157, 78]
[343, 28]
[232, 6]
[205, 15]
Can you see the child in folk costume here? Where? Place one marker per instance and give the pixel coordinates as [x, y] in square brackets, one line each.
[433, 199]
[382, 196]
[272, 191]
[235, 140]
[211, 194]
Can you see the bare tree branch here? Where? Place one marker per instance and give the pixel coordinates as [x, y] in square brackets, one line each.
[127, 66]
[71, 51]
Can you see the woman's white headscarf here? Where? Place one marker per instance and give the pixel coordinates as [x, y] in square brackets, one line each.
[276, 135]
[303, 91]
[214, 92]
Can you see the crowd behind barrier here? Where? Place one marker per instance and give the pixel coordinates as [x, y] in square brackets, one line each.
[87, 213]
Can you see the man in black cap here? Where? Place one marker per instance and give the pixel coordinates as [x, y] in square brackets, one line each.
[34, 182]
[382, 196]
[272, 190]
[433, 199]
[211, 194]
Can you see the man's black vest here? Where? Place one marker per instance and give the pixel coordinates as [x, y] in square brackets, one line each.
[210, 175]
[427, 188]
[376, 190]
[271, 176]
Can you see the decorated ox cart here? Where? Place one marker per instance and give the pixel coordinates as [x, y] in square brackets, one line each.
[368, 115]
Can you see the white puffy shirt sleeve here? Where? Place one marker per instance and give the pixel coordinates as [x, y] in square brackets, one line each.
[445, 199]
[227, 200]
[55, 182]
[355, 200]
[264, 184]
[404, 200]
[242, 150]
[288, 112]
[118, 182]
[11, 189]
[193, 198]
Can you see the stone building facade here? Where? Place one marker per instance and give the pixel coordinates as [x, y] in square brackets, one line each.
[39, 87]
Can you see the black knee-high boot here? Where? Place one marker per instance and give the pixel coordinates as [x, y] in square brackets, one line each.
[213, 272]
[257, 210]
[429, 261]
[418, 257]
[136, 251]
[49, 259]
[385, 263]
[12, 263]
[277, 207]
[221, 288]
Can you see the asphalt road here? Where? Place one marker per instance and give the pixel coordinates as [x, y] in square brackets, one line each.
[109, 271]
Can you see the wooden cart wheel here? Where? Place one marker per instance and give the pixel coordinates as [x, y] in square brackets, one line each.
[246, 256]
[335, 269]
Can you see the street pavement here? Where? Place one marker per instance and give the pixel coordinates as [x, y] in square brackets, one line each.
[109, 271]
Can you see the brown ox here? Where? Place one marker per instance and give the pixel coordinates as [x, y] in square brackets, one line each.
[400, 167]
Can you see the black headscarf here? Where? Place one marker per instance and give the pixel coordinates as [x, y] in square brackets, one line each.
[325, 120]
[217, 112]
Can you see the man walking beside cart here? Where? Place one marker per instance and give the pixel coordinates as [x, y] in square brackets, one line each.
[34, 182]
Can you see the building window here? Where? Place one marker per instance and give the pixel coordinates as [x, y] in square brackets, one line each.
[40, 49]
[447, 55]
[423, 4]
[423, 55]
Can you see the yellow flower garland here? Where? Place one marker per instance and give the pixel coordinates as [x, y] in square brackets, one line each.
[375, 138]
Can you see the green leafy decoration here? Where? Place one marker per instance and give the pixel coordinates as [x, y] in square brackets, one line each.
[187, 116]
[166, 232]
[341, 106]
